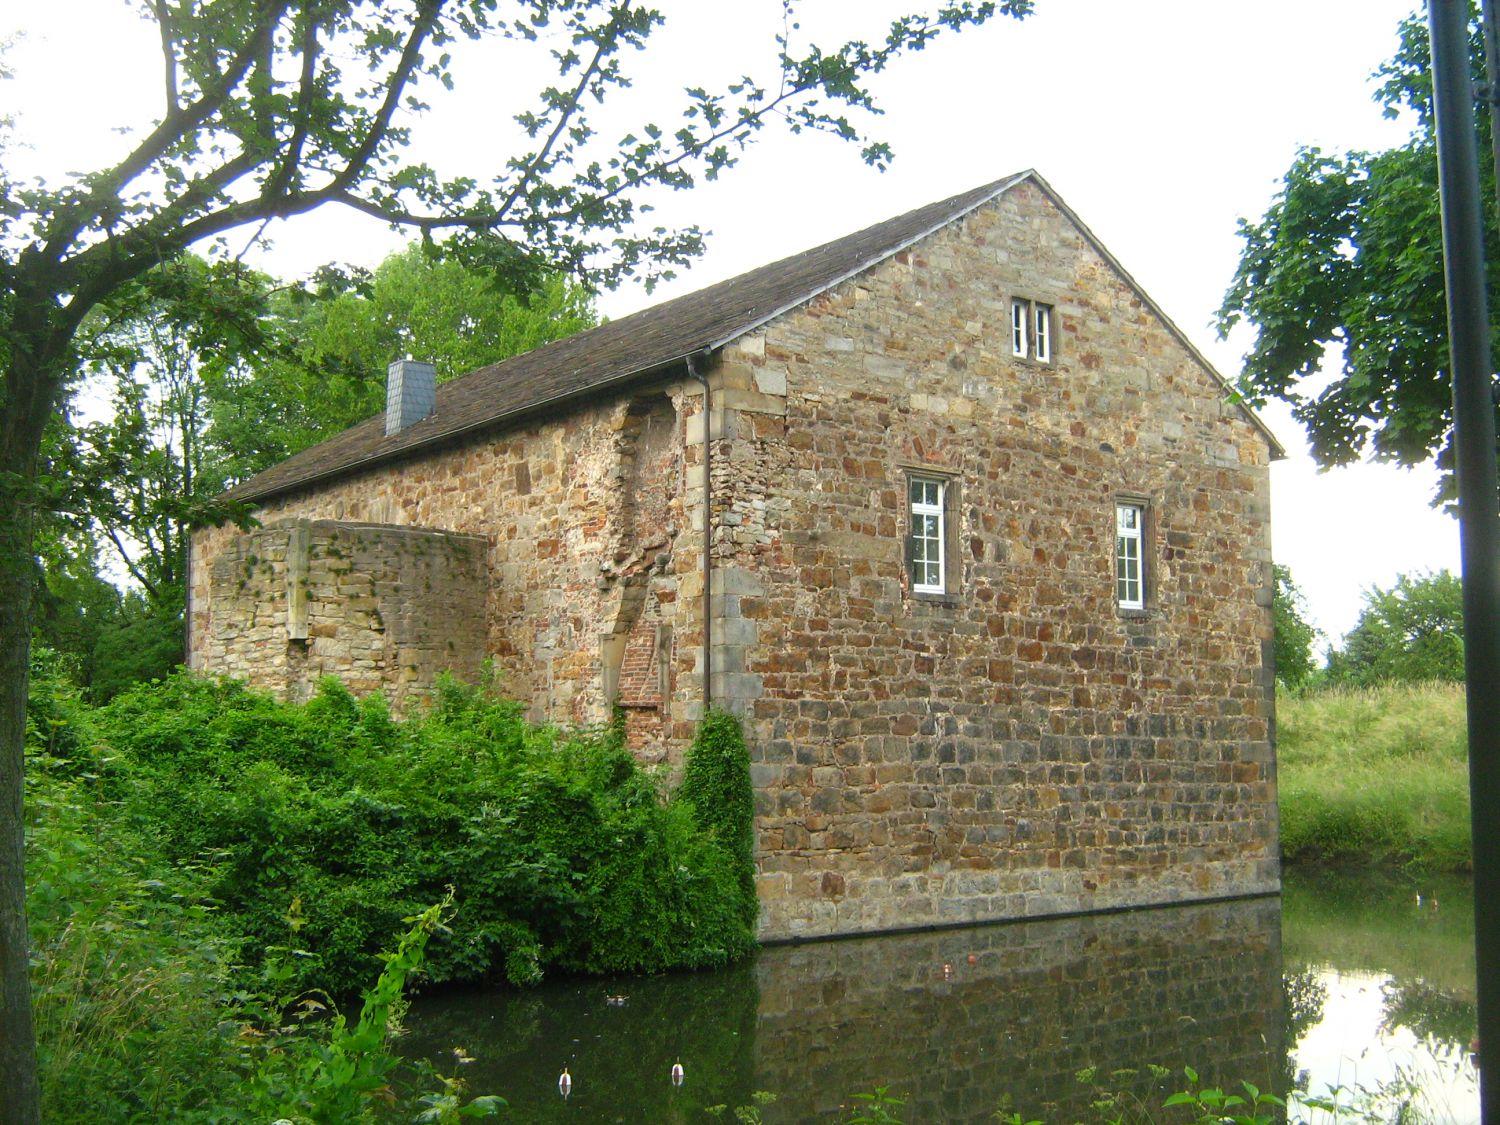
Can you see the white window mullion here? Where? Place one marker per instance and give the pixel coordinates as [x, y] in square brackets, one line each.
[1130, 585]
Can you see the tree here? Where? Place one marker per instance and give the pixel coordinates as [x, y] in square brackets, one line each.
[335, 339]
[273, 108]
[1412, 633]
[1294, 634]
[1349, 256]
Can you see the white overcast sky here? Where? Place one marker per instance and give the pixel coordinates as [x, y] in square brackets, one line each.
[1160, 121]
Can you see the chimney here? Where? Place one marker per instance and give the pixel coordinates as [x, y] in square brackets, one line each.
[410, 394]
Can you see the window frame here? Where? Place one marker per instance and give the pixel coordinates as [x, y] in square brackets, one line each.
[1020, 328]
[1122, 561]
[939, 511]
[1041, 332]
[1032, 330]
[950, 501]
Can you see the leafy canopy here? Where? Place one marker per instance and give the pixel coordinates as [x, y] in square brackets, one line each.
[1412, 632]
[1349, 257]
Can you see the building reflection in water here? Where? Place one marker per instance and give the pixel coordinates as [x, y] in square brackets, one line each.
[957, 1022]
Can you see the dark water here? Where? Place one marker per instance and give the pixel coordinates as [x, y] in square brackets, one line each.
[1346, 980]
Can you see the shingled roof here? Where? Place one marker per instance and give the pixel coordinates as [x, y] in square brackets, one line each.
[652, 341]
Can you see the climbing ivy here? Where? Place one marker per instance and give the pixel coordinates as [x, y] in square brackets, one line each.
[716, 786]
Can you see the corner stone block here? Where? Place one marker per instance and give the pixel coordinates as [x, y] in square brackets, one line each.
[737, 580]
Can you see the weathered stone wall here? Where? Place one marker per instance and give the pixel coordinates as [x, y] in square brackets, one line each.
[1021, 745]
[1016, 747]
[385, 609]
[587, 534]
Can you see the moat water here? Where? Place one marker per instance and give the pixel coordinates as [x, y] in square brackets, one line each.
[1346, 980]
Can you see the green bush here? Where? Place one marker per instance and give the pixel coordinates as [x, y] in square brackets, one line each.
[559, 849]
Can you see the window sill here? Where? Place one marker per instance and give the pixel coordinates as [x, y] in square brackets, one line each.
[937, 601]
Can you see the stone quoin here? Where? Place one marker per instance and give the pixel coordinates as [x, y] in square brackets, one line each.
[988, 552]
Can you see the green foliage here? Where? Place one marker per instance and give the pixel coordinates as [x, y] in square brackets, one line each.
[129, 968]
[1411, 633]
[335, 339]
[559, 850]
[1375, 774]
[1349, 256]
[142, 1014]
[716, 787]
[1294, 634]
[876, 1108]
[1118, 1101]
[342, 1074]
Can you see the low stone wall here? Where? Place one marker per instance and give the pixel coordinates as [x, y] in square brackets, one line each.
[385, 609]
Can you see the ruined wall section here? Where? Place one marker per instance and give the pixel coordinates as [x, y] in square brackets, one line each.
[383, 608]
[585, 534]
[1019, 745]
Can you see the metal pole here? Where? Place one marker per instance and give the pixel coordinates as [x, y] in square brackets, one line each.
[1479, 518]
[708, 546]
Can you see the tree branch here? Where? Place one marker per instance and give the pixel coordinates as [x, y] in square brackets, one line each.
[130, 564]
[564, 116]
[401, 74]
[282, 179]
[105, 190]
[168, 53]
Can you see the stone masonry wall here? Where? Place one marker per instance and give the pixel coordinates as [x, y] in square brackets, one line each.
[586, 531]
[383, 608]
[1020, 745]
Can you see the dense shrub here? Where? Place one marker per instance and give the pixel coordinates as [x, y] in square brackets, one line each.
[204, 862]
[559, 849]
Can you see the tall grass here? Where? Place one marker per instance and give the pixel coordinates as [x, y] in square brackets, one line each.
[1375, 775]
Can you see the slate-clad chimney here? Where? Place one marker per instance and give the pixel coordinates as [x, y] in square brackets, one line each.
[410, 393]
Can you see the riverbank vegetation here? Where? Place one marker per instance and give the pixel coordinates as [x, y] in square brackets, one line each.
[209, 869]
[1375, 775]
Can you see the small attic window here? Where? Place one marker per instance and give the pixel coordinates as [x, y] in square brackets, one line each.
[1031, 330]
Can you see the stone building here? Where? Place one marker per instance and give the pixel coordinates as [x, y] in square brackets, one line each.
[948, 510]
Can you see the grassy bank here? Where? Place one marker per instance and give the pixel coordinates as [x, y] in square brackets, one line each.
[1376, 775]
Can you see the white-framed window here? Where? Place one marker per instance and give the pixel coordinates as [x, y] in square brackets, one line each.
[926, 533]
[1130, 564]
[1041, 333]
[1030, 330]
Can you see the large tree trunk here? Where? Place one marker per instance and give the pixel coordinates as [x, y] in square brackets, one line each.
[28, 396]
